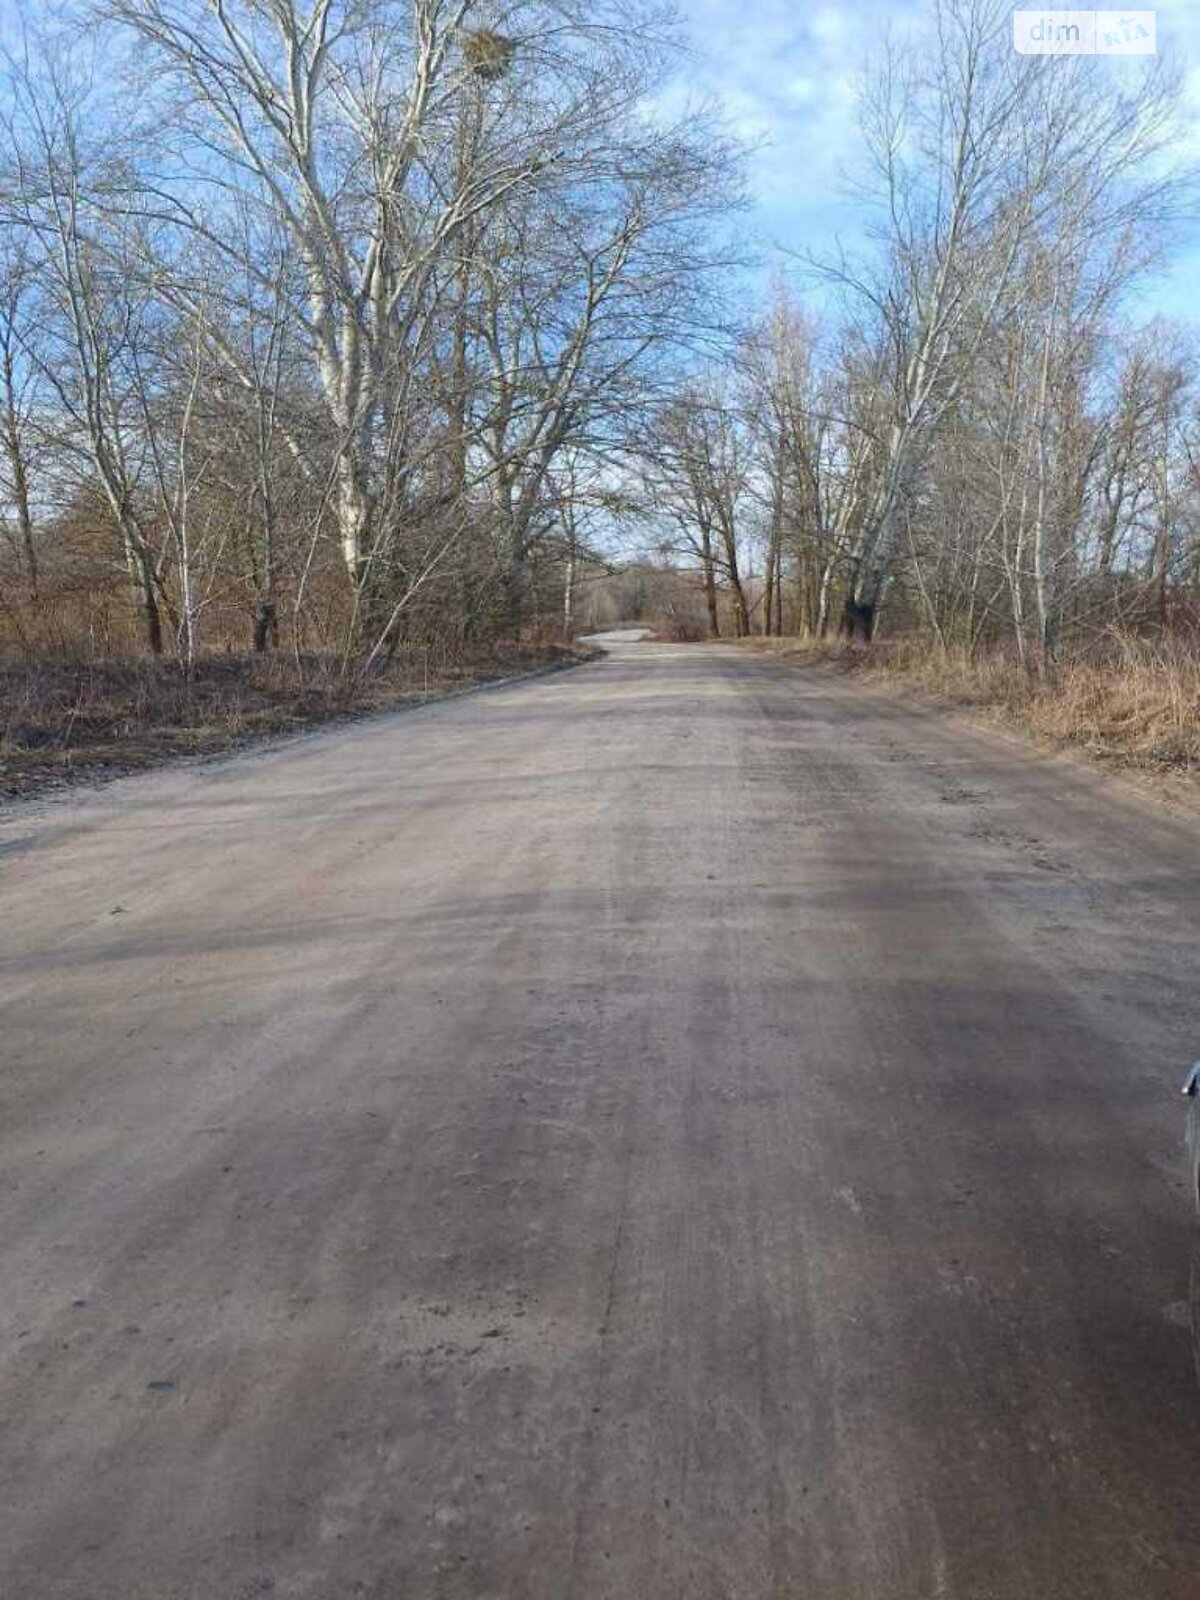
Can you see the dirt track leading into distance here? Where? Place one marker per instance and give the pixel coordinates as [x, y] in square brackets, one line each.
[688, 1127]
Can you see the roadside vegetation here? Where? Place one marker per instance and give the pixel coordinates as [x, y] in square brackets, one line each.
[325, 331]
[974, 459]
[339, 340]
[1128, 701]
[68, 719]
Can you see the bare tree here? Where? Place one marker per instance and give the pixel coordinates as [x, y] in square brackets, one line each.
[696, 475]
[62, 183]
[973, 163]
[335, 118]
[18, 395]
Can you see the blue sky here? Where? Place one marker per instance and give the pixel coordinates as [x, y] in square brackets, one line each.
[786, 74]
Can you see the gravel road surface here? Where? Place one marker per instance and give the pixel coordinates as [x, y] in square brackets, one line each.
[683, 1129]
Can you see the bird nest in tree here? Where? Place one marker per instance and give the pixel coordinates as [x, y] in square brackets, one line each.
[488, 54]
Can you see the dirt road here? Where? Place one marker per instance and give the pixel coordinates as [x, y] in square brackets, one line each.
[681, 1128]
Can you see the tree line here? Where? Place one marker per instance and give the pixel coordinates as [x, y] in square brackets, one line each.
[336, 323]
[979, 427]
[331, 318]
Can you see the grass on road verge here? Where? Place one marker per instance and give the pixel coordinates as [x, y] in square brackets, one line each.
[63, 721]
[1135, 703]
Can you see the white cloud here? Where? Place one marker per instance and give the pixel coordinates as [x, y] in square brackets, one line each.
[786, 79]
[788, 75]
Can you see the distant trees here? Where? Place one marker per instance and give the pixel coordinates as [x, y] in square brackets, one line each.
[696, 475]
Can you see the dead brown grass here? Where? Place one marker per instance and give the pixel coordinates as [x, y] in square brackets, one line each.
[1128, 701]
[63, 720]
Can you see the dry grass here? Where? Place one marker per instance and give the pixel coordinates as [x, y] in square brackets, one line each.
[1131, 701]
[63, 720]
